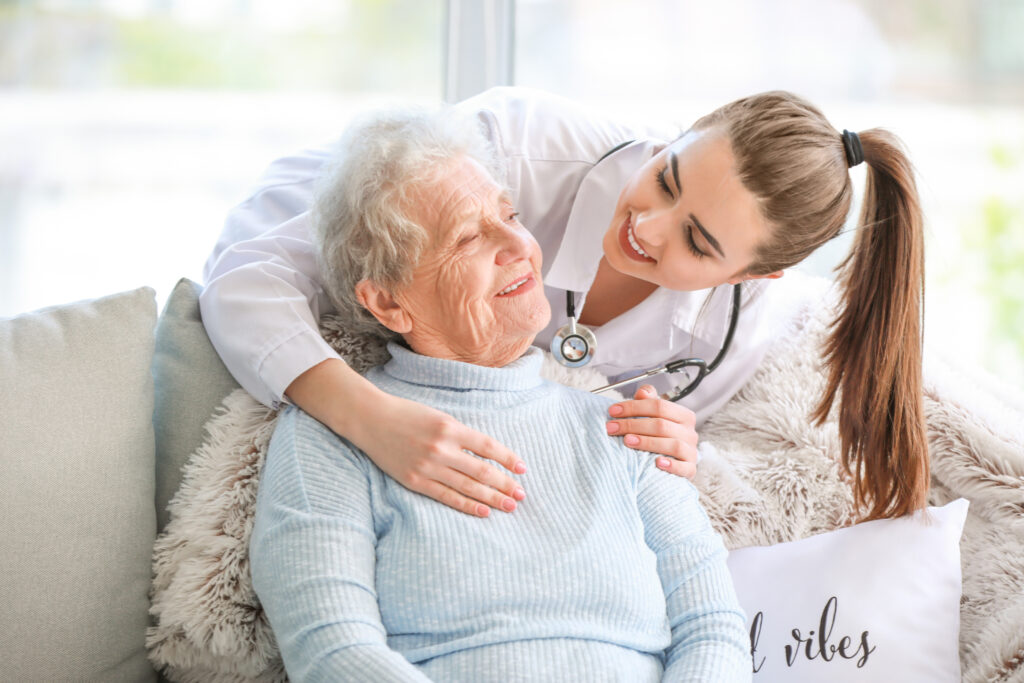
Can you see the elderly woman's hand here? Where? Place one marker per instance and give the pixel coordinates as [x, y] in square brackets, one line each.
[650, 423]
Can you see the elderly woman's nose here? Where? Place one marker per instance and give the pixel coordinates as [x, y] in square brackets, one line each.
[514, 247]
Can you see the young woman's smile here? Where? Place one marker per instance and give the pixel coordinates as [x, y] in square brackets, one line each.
[684, 221]
[631, 247]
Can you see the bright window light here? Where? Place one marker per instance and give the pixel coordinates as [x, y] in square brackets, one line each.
[947, 76]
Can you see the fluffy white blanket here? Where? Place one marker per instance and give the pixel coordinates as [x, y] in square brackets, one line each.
[767, 476]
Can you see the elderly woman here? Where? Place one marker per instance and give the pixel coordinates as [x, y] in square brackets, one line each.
[608, 571]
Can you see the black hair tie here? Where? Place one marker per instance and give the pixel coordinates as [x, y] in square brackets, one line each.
[854, 152]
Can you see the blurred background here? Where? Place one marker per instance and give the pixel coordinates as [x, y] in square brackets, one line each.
[128, 128]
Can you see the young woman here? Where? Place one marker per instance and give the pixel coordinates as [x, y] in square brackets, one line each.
[641, 231]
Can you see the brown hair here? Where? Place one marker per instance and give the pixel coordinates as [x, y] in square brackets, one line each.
[794, 162]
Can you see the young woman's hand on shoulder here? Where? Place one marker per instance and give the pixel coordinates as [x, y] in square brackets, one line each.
[650, 423]
[423, 449]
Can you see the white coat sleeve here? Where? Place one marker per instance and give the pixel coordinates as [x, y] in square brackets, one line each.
[262, 298]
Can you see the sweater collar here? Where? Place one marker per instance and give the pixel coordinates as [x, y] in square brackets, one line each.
[408, 366]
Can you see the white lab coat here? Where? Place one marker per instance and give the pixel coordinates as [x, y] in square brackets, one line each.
[262, 297]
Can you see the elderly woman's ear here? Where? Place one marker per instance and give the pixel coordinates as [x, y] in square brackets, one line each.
[383, 306]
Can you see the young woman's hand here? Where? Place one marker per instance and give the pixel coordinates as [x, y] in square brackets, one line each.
[421, 448]
[650, 423]
[425, 450]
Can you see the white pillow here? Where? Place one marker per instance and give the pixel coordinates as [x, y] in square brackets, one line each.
[878, 601]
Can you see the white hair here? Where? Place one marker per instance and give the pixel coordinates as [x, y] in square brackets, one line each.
[362, 217]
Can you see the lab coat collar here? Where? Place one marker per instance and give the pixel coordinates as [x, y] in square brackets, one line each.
[706, 313]
[575, 264]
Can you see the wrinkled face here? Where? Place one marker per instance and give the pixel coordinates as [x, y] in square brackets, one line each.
[684, 220]
[476, 293]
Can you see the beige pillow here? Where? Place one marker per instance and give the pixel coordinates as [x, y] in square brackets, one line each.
[191, 381]
[76, 490]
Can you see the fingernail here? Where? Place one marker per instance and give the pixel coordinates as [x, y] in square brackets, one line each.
[662, 463]
[632, 439]
[613, 427]
[508, 505]
[615, 410]
[483, 510]
[520, 468]
[519, 493]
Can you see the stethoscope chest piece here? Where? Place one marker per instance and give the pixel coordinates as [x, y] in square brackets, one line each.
[573, 345]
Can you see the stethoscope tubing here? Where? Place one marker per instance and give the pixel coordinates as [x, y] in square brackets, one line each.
[629, 380]
[588, 341]
[703, 368]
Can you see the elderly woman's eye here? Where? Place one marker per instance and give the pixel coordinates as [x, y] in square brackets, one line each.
[513, 216]
[466, 239]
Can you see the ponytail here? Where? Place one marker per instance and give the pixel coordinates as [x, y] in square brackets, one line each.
[873, 352]
[797, 164]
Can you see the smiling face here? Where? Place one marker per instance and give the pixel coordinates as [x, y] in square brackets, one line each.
[684, 221]
[476, 293]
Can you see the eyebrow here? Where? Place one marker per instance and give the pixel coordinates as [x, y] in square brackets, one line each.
[707, 235]
[674, 162]
[473, 215]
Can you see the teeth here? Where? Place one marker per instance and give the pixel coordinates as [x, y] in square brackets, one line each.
[514, 287]
[633, 243]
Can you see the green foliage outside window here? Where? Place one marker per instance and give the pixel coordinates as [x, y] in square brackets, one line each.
[88, 47]
[992, 261]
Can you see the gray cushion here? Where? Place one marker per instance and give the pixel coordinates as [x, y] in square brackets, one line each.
[76, 490]
[191, 381]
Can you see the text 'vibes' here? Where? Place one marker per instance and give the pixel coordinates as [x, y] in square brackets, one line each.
[813, 644]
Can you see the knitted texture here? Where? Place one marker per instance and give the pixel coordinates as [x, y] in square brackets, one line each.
[606, 569]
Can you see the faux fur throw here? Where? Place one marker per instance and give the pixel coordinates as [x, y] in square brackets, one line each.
[766, 476]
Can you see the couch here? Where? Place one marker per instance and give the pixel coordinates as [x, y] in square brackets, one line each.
[101, 403]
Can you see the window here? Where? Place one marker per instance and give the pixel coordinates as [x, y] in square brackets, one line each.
[129, 127]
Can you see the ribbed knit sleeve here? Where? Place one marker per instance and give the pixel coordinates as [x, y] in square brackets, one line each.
[709, 641]
[312, 556]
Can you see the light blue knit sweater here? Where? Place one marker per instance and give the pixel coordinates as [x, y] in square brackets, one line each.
[608, 570]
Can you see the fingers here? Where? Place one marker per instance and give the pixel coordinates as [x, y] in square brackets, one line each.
[660, 445]
[471, 488]
[451, 498]
[681, 457]
[432, 453]
[680, 468]
[465, 482]
[647, 403]
[486, 447]
[649, 423]
[646, 426]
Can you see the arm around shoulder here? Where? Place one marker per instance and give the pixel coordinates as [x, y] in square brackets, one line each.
[261, 305]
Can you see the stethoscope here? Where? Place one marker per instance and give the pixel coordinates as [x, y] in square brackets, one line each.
[574, 344]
